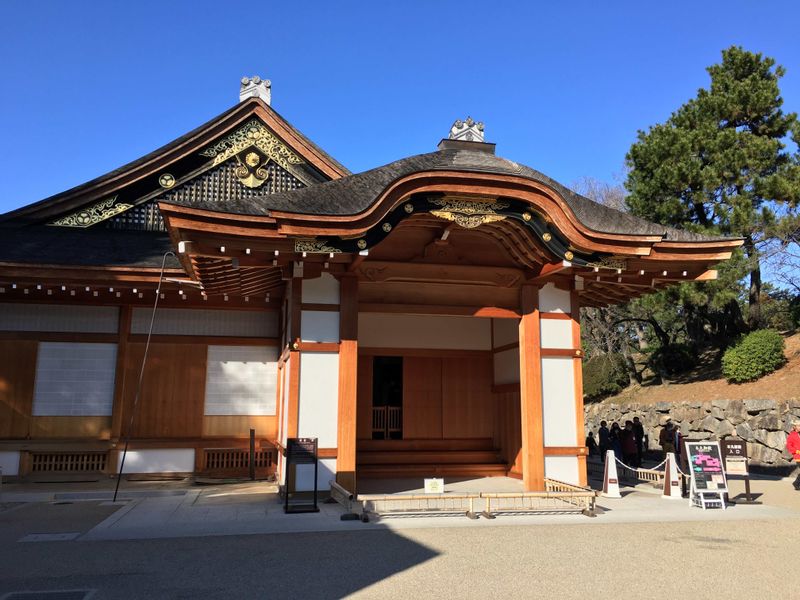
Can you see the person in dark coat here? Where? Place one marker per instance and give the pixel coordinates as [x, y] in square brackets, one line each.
[614, 441]
[603, 435]
[638, 430]
[627, 439]
[591, 444]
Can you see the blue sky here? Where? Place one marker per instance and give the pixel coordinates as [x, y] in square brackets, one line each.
[563, 87]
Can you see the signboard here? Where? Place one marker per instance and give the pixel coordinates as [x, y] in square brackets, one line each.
[708, 484]
[705, 465]
[434, 486]
[300, 451]
[734, 452]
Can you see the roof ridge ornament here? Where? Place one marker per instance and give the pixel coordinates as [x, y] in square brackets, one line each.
[468, 130]
[255, 87]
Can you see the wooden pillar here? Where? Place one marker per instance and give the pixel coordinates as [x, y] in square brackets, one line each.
[123, 332]
[294, 357]
[577, 366]
[530, 390]
[348, 382]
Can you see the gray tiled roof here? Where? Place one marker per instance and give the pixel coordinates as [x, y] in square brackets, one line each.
[355, 193]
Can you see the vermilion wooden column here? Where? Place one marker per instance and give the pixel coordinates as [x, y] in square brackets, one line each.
[294, 358]
[530, 390]
[348, 381]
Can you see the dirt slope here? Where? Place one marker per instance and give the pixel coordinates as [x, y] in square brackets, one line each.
[706, 383]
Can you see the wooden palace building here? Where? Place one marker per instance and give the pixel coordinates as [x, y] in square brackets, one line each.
[418, 319]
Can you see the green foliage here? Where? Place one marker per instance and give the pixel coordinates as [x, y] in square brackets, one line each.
[753, 356]
[672, 359]
[603, 375]
[719, 165]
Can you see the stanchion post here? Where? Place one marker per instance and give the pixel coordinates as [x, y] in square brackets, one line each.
[672, 484]
[610, 477]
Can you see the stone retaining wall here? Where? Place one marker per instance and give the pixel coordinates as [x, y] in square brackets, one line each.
[763, 424]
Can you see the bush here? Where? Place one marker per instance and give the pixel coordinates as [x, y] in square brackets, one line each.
[603, 375]
[753, 356]
[672, 359]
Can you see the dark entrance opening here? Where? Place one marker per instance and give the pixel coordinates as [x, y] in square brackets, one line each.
[387, 398]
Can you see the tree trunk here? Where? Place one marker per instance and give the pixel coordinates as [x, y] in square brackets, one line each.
[754, 299]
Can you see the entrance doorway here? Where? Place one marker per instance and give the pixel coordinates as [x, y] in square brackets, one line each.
[387, 398]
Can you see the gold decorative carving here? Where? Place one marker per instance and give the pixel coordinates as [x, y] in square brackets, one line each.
[86, 217]
[526, 216]
[252, 172]
[252, 133]
[569, 255]
[314, 246]
[609, 263]
[166, 180]
[468, 213]
[547, 237]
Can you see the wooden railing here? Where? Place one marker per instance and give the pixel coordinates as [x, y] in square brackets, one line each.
[387, 420]
[237, 460]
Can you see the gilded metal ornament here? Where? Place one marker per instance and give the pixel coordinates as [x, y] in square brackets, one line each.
[569, 255]
[468, 213]
[409, 208]
[86, 217]
[251, 171]
[166, 180]
[547, 237]
[252, 133]
[526, 216]
[387, 227]
[361, 244]
[609, 263]
[315, 246]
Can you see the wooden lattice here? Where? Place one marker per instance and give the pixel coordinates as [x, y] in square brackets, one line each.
[68, 462]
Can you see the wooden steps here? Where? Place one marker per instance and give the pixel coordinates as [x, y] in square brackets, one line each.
[439, 470]
[426, 458]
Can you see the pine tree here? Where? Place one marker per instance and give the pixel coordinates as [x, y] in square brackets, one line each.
[719, 165]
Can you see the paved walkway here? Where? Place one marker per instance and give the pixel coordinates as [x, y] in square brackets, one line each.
[173, 510]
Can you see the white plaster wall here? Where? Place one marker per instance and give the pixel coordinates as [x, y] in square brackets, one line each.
[558, 402]
[379, 330]
[506, 331]
[54, 317]
[241, 380]
[562, 468]
[506, 366]
[319, 398]
[9, 462]
[553, 299]
[322, 290]
[319, 326]
[165, 460]
[326, 470]
[185, 321]
[556, 333]
[74, 379]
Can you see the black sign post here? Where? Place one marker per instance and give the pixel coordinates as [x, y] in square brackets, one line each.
[299, 451]
[734, 453]
[708, 484]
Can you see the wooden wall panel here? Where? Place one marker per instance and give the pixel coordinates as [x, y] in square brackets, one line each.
[173, 390]
[467, 402]
[422, 398]
[364, 393]
[508, 429]
[239, 426]
[98, 428]
[17, 377]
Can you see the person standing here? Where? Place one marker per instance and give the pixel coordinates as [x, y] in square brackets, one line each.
[627, 438]
[602, 434]
[793, 446]
[667, 438]
[638, 430]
